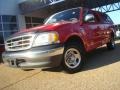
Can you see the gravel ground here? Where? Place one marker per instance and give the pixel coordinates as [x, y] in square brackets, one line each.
[101, 72]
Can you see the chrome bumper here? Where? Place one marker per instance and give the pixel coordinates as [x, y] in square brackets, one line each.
[34, 58]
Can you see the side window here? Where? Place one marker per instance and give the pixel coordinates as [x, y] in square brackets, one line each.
[109, 19]
[89, 17]
[97, 17]
[106, 19]
[75, 13]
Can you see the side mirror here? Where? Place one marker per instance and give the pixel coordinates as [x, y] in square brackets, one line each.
[89, 18]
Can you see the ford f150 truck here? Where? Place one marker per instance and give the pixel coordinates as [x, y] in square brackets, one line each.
[63, 39]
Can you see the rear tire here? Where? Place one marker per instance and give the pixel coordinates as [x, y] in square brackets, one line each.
[111, 44]
[73, 58]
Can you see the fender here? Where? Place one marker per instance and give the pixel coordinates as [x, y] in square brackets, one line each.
[80, 35]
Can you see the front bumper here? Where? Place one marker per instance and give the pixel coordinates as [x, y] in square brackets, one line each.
[47, 56]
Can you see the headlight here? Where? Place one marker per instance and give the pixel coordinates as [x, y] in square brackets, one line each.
[46, 38]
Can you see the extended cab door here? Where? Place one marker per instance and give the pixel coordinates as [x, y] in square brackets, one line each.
[92, 28]
[107, 23]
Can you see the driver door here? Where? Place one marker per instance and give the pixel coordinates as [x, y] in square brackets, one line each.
[93, 29]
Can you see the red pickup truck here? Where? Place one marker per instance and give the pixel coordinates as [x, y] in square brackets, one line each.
[63, 39]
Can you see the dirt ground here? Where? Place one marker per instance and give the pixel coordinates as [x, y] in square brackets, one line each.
[101, 72]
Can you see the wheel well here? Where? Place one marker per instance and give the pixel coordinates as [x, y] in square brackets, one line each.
[74, 39]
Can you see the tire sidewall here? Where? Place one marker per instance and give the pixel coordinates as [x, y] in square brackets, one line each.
[110, 45]
[78, 68]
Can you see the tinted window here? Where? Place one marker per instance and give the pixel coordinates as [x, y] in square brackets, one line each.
[28, 25]
[106, 19]
[0, 27]
[7, 18]
[10, 26]
[66, 15]
[0, 19]
[97, 17]
[28, 19]
[109, 19]
[1, 38]
[33, 21]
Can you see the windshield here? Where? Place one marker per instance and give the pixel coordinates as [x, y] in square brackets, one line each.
[67, 15]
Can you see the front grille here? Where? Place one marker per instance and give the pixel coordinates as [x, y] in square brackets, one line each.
[19, 43]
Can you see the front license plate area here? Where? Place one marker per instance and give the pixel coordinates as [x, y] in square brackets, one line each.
[12, 62]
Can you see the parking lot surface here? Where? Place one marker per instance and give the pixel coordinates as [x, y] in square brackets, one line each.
[101, 72]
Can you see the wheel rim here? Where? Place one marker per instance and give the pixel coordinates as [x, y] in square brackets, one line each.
[72, 58]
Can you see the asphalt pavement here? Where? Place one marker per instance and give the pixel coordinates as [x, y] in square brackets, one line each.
[101, 72]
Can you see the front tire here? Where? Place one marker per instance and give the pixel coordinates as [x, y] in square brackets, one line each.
[73, 58]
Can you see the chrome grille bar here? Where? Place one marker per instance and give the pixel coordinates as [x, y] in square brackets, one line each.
[22, 42]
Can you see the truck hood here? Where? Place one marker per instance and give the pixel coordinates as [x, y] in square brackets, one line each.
[48, 27]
